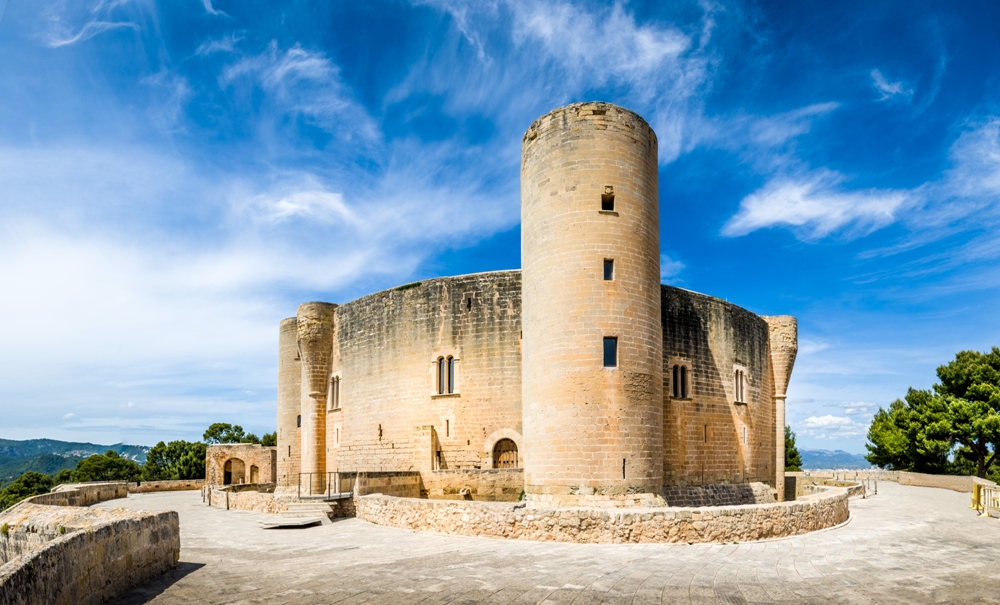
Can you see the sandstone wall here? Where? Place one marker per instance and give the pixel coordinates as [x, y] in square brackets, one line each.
[704, 439]
[390, 417]
[720, 494]
[501, 520]
[249, 454]
[165, 486]
[403, 484]
[494, 485]
[82, 494]
[591, 429]
[259, 502]
[289, 454]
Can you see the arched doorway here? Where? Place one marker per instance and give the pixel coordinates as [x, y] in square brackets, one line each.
[505, 454]
[233, 472]
[254, 474]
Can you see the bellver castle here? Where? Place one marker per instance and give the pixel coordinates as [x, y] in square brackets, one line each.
[579, 380]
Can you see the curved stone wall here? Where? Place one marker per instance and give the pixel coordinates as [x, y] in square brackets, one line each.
[710, 438]
[607, 526]
[389, 415]
[54, 549]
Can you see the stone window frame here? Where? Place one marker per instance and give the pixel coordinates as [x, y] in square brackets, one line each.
[453, 373]
[677, 362]
[333, 401]
[741, 380]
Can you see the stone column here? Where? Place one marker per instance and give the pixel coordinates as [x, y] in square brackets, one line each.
[316, 333]
[784, 337]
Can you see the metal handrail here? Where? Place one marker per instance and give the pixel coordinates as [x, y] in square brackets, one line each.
[329, 479]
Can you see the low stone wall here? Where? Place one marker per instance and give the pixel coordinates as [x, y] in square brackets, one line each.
[67, 554]
[404, 484]
[721, 494]
[958, 483]
[490, 485]
[798, 485]
[258, 502]
[165, 486]
[665, 524]
[82, 494]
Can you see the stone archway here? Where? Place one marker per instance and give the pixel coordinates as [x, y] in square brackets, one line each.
[494, 438]
[505, 454]
[234, 471]
[254, 474]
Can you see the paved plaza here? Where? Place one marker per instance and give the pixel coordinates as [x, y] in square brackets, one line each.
[905, 545]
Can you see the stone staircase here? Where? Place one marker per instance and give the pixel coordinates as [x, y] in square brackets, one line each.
[301, 514]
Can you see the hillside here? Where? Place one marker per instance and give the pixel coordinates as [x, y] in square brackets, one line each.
[837, 459]
[49, 456]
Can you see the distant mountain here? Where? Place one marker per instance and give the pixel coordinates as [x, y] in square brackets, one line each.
[837, 459]
[50, 456]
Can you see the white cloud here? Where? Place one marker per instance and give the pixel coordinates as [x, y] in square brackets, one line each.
[210, 9]
[69, 416]
[88, 31]
[815, 205]
[225, 44]
[831, 427]
[669, 268]
[890, 90]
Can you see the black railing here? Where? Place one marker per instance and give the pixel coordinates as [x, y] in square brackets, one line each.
[329, 485]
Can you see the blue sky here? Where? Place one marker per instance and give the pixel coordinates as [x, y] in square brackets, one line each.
[176, 177]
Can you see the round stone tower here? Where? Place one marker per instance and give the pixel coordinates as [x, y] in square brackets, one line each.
[592, 338]
[289, 403]
[315, 340]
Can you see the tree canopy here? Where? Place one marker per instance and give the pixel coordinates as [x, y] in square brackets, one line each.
[109, 466]
[793, 460]
[175, 460]
[27, 485]
[222, 432]
[948, 429]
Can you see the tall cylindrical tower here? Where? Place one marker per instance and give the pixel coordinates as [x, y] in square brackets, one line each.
[289, 403]
[593, 344]
[315, 334]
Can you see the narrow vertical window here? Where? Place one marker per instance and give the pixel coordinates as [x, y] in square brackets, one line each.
[442, 371]
[684, 382]
[610, 352]
[608, 199]
[338, 437]
[447, 428]
[706, 433]
[451, 374]
[676, 385]
[298, 421]
[609, 269]
[744, 435]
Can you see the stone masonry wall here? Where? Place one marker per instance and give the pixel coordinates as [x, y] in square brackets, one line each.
[704, 438]
[384, 354]
[494, 485]
[720, 494]
[82, 494]
[165, 486]
[582, 525]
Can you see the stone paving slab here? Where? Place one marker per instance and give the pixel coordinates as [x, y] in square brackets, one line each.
[906, 545]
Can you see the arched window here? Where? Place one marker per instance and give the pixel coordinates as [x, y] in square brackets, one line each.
[684, 382]
[298, 421]
[680, 379]
[675, 384]
[333, 394]
[451, 374]
[442, 373]
[505, 454]
[739, 385]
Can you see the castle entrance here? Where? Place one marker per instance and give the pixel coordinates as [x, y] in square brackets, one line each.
[505, 454]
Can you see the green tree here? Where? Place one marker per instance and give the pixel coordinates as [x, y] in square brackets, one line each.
[269, 439]
[970, 394]
[959, 417]
[222, 432]
[793, 461]
[109, 466]
[175, 460]
[62, 477]
[27, 485]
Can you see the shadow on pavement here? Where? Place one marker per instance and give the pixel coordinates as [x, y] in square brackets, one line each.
[150, 590]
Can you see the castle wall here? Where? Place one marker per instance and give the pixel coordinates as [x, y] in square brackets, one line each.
[590, 429]
[704, 434]
[390, 417]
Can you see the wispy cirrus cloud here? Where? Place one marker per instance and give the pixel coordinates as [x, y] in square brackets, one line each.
[896, 91]
[57, 39]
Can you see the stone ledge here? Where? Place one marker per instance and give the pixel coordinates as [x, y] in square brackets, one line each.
[740, 523]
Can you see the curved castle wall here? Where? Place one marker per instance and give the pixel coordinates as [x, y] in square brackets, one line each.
[710, 437]
[591, 430]
[289, 404]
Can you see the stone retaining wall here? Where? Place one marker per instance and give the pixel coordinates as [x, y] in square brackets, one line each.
[76, 555]
[405, 484]
[82, 494]
[721, 494]
[492, 485]
[665, 524]
[165, 486]
[259, 502]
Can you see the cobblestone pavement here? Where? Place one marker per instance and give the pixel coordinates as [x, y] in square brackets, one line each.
[905, 545]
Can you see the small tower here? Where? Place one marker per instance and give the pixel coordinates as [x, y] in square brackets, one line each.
[784, 345]
[289, 404]
[315, 335]
[593, 344]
